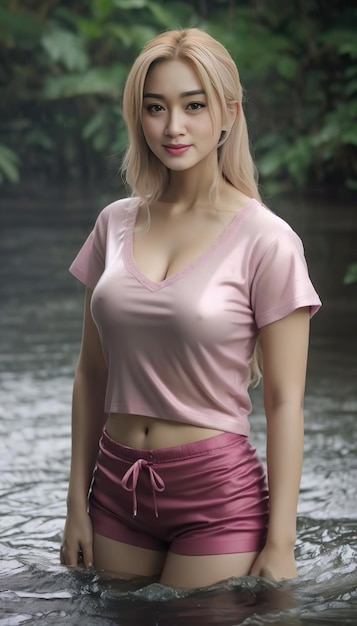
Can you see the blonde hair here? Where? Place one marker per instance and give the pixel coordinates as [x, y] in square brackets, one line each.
[219, 76]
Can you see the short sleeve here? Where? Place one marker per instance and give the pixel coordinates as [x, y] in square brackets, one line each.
[89, 264]
[281, 283]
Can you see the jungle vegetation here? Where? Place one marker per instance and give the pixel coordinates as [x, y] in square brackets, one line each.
[64, 62]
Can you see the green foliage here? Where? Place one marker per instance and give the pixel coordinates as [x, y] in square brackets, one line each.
[102, 81]
[66, 48]
[351, 274]
[18, 28]
[64, 65]
[9, 165]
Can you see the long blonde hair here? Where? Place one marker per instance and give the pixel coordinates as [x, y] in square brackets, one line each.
[218, 73]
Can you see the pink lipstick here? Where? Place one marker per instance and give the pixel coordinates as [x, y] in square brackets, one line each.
[176, 149]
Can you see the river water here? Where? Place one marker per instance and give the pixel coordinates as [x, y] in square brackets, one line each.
[40, 308]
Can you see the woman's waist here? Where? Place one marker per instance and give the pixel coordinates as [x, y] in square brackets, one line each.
[146, 432]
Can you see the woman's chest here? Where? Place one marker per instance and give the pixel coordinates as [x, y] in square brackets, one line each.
[209, 301]
[168, 247]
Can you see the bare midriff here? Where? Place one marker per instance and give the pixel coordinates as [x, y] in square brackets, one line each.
[147, 433]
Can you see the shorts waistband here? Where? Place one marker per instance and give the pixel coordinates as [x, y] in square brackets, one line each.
[174, 453]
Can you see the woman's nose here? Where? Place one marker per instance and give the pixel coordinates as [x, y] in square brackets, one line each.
[175, 125]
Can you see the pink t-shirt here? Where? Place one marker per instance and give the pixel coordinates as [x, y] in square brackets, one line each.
[180, 349]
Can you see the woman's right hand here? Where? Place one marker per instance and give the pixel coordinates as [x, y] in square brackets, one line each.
[77, 542]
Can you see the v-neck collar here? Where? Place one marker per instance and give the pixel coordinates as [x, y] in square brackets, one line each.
[134, 270]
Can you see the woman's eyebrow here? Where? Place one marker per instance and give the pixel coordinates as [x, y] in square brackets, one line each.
[184, 94]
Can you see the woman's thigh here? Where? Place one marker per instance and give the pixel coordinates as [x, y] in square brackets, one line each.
[191, 572]
[122, 560]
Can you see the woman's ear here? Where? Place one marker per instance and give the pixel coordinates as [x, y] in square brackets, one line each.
[232, 114]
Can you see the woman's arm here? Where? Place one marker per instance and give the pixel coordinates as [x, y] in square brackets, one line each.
[88, 419]
[285, 349]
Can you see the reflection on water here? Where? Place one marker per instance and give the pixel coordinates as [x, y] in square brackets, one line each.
[40, 323]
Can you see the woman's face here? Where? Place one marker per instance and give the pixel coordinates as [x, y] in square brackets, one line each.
[176, 119]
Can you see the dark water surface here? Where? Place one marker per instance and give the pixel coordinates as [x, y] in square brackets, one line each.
[40, 309]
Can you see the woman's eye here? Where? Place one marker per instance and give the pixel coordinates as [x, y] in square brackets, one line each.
[195, 106]
[155, 108]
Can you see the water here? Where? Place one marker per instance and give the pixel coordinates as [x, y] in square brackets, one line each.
[41, 309]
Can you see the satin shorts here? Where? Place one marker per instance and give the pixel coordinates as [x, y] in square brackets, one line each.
[200, 498]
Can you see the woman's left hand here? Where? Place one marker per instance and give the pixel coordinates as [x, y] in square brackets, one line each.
[275, 563]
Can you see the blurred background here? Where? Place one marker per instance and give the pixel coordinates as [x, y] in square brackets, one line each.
[64, 63]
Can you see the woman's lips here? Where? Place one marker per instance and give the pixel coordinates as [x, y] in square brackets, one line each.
[176, 149]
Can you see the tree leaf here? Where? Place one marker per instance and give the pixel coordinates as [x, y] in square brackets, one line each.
[9, 163]
[351, 274]
[271, 162]
[67, 48]
[129, 4]
[287, 67]
[94, 125]
[102, 8]
[136, 34]
[97, 81]
[162, 15]
[38, 137]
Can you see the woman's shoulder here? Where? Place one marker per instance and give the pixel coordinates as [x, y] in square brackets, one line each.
[264, 222]
[264, 228]
[263, 232]
[118, 210]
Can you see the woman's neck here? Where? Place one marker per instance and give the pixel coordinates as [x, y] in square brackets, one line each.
[192, 188]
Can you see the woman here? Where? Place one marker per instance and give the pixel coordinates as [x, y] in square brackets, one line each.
[182, 279]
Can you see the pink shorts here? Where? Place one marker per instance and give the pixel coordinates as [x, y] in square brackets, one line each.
[206, 497]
